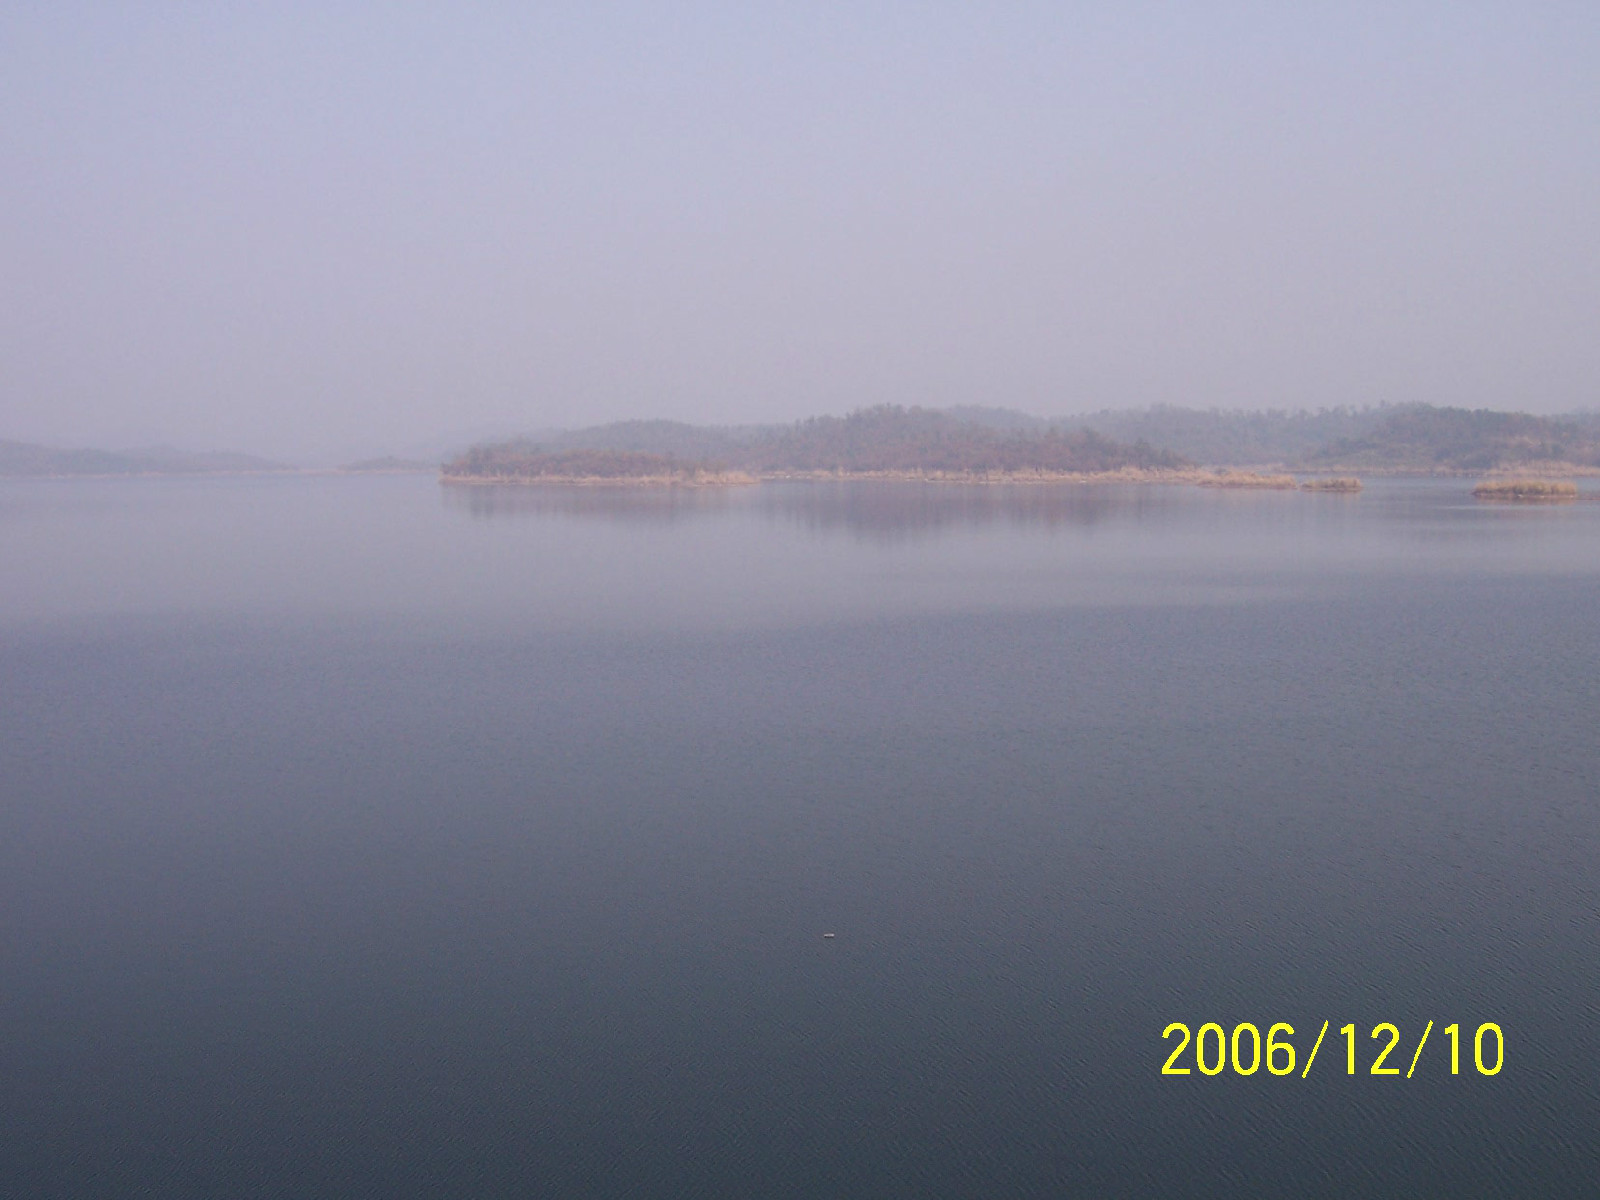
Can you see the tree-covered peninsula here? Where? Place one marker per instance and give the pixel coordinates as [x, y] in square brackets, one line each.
[883, 442]
[983, 444]
[526, 462]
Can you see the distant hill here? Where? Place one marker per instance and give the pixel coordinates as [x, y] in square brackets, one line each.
[887, 438]
[1212, 437]
[1393, 437]
[24, 458]
[525, 462]
[975, 438]
[1422, 437]
[998, 418]
[691, 443]
[891, 438]
[1219, 438]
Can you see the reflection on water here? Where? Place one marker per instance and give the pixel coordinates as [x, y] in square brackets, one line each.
[885, 512]
[880, 510]
[353, 845]
[773, 554]
[888, 511]
[649, 505]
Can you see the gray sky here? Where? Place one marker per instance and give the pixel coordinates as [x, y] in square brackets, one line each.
[305, 229]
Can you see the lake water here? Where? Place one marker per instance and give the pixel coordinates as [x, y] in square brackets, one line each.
[365, 838]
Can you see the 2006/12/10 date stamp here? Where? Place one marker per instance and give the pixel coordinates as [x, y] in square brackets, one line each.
[1214, 1049]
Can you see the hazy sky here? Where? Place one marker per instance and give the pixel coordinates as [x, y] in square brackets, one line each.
[309, 228]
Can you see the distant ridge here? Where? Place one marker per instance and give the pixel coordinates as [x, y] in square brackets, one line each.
[978, 439]
[1388, 438]
[891, 438]
[1396, 438]
[676, 439]
[1221, 438]
[1212, 437]
[525, 462]
[1420, 436]
[886, 440]
[25, 458]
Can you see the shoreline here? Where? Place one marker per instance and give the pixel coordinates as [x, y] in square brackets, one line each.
[990, 478]
[1549, 469]
[740, 479]
[1184, 476]
[697, 480]
[1229, 478]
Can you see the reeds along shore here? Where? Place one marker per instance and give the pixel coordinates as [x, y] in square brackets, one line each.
[1247, 479]
[659, 476]
[689, 479]
[712, 478]
[1526, 489]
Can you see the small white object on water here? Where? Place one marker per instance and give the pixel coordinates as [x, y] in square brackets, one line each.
[828, 935]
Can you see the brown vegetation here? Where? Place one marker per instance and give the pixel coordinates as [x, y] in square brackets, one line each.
[884, 442]
[1247, 479]
[523, 462]
[1526, 489]
[1342, 483]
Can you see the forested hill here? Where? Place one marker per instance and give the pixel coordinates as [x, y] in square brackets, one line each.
[975, 439]
[677, 439]
[1210, 436]
[883, 439]
[1397, 438]
[1421, 437]
[1404, 437]
[890, 438]
[1418, 438]
[1220, 438]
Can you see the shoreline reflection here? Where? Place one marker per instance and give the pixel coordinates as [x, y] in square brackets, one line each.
[665, 505]
[873, 509]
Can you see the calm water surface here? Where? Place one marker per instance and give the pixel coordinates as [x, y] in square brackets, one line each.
[360, 837]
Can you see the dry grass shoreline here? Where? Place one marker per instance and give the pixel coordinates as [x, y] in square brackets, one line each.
[693, 479]
[1248, 479]
[1541, 469]
[741, 478]
[1192, 476]
[1526, 489]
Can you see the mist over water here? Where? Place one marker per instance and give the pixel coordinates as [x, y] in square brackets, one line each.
[771, 555]
[363, 837]
[323, 234]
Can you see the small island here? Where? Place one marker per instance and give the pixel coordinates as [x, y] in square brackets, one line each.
[1339, 483]
[1526, 489]
[1248, 479]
